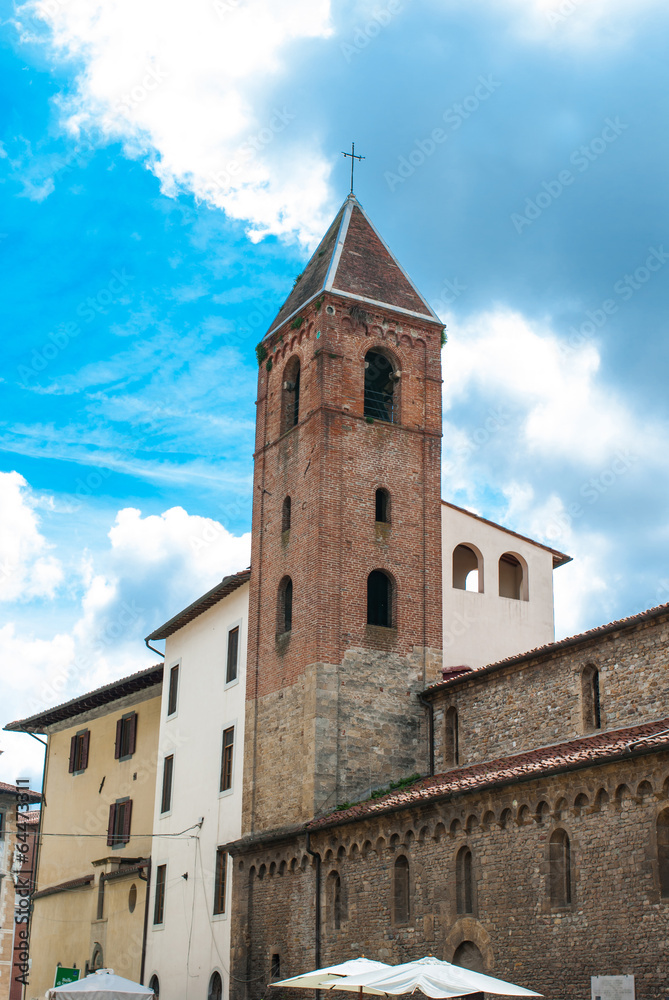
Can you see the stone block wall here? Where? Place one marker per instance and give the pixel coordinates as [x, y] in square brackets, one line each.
[616, 924]
[538, 701]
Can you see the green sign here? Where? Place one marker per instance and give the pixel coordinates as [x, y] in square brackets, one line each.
[66, 976]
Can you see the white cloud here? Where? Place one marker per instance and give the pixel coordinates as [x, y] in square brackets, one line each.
[26, 569]
[566, 410]
[579, 22]
[151, 568]
[185, 89]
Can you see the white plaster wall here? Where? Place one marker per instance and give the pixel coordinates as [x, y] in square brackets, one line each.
[480, 628]
[192, 943]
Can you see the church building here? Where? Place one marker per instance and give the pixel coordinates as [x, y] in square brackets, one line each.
[415, 781]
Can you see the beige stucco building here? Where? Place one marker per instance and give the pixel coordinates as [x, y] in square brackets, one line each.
[95, 845]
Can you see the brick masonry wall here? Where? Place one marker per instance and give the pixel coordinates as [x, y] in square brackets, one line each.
[616, 924]
[331, 465]
[537, 703]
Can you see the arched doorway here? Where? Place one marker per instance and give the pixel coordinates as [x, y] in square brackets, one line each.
[468, 956]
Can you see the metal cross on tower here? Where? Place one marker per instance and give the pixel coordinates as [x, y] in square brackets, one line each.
[353, 156]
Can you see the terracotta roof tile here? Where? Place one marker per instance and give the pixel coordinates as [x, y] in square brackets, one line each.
[74, 883]
[227, 585]
[93, 699]
[595, 749]
[12, 790]
[353, 260]
[554, 647]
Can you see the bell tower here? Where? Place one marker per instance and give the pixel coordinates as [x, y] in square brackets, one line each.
[345, 605]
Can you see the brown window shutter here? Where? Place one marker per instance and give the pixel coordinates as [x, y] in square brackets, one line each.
[133, 734]
[119, 731]
[127, 813]
[86, 737]
[110, 828]
[73, 752]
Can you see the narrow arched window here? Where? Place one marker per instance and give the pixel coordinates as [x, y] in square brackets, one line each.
[512, 577]
[215, 991]
[464, 881]
[467, 569]
[285, 606]
[382, 506]
[285, 515]
[380, 381]
[154, 984]
[337, 903]
[379, 599]
[401, 891]
[590, 699]
[663, 852]
[290, 394]
[452, 739]
[559, 875]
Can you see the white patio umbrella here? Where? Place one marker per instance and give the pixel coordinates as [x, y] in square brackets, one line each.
[101, 985]
[432, 977]
[334, 974]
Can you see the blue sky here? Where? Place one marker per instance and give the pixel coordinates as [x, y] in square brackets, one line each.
[164, 173]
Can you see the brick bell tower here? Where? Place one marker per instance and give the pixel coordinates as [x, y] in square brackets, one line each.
[345, 607]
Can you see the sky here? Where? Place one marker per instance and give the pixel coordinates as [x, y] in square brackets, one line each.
[165, 172]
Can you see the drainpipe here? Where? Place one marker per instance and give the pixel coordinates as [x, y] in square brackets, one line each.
[146, 917]
[154, 650]
[430, 729]
[317, 921]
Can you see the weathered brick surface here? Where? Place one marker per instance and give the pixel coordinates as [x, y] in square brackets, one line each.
[310, 692]
[538, 702]
[616, 924]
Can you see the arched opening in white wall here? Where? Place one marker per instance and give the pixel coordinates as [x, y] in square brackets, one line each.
[513, 581]
[467, 568]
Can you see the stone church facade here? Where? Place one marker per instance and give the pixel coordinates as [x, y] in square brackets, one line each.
[535, 844]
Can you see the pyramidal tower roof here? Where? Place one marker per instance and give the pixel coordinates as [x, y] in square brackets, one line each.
[353, 260]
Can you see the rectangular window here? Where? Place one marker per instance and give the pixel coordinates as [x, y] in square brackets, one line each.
[101, 897]
[2, 826]
[118, 831]
[174, 690]
[159, 901]
[233, 655]
[168, 771]
[79, 751]
[126, 736]
[226, 761]
[275, 969]
[219, 883]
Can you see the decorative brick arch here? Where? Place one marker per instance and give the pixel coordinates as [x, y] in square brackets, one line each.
[469, 929]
